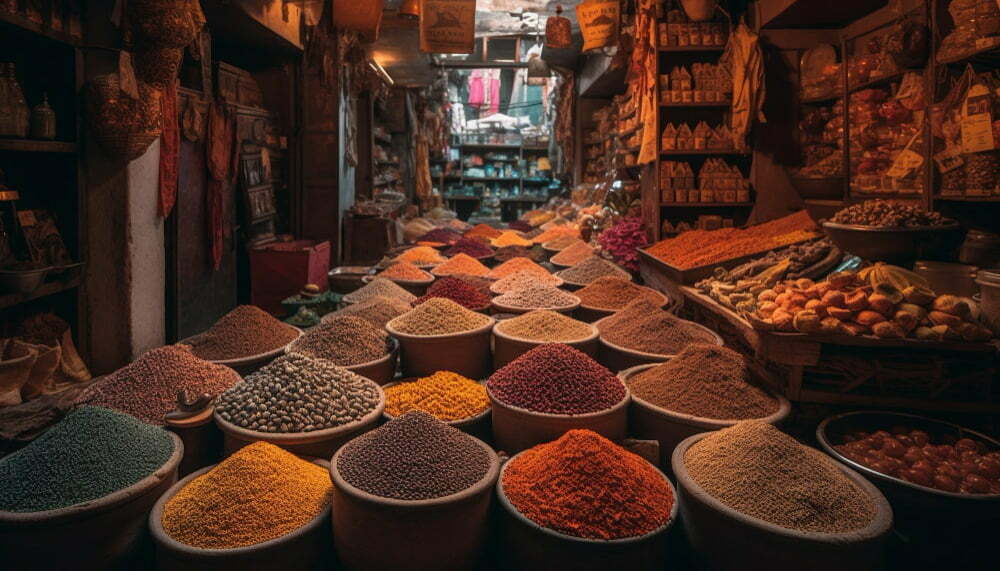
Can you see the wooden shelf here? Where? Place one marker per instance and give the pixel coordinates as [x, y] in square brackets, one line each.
[536, 148]
[37, 146]
[821, 99]
[989, 55]
[705, 104]
[682, 49]
[882, 79]
[456, 197]
[490, 146]
[20, 21]
[706, 204]
[968, 198]
[490, 179]
[50, 288]
[688, 153]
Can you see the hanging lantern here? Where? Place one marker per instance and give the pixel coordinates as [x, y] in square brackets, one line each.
[558, 32]
[538, 70]
[410, 9]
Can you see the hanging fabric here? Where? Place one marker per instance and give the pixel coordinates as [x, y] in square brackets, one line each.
[477, 94]
[745, 62]
[494, 103]
[643, 69]
[170, 146]
[219, 159]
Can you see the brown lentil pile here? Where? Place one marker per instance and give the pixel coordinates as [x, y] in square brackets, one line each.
[707, 381]
[413, 457]
[246, 330]
[405, 271]
[545, 326]
[379, 287]
[614, 293]
[515, 265]
[759, 471]
[522, 279]
[438, 316]
[147, 387]
[507, 253]
[561, 243]
[345, 341]
[590, 269]
[378, 310]
[537, 296]
[643, 326]
[445, 395]
[573, 254]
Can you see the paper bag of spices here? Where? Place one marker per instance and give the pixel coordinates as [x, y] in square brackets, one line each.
[598, 23]
[447, 26]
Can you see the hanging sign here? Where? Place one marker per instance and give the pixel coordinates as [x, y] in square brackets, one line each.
[365, 17]
[977, 121]
[598, 23]
[447, 26]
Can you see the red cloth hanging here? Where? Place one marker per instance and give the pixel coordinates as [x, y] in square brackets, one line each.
[170, 148]
[219, 158]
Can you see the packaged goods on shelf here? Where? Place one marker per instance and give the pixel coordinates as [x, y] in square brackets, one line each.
[701, 137]
[677, 31]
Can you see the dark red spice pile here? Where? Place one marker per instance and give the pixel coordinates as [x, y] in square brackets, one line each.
[457, 290]
[556, 379]
[470, 247]
[441, 236]
[520, 226]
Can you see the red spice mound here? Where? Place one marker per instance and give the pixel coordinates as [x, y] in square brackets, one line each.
[457, 290]
[470, 246]
[584, 485]
[520, 226]
[697, 248]
[441, 236]
[613, 292]
[556, 379]
[483, 230]
[405, 271]
[244, 331]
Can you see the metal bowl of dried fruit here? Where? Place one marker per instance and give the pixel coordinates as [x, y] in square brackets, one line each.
[898, 245]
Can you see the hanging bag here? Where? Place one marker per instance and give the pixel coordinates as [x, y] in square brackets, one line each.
[598, 23]
[447, 26]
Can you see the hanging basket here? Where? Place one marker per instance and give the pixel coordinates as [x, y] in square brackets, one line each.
[122, 126]
[165, 23]
[158, 66]
[447, 26]
[699, 10]
[365, 18]
[598, 23]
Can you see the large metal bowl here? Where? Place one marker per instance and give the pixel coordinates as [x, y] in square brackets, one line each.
[896, 245]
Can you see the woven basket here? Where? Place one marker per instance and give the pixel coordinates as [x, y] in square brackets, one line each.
[158, 66]
[122, 126]
[164, 23]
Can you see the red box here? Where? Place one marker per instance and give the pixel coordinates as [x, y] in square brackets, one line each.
[279, 270]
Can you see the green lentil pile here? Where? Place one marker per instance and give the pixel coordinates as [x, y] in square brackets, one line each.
[297, 394]
[537, 296]
[378, 310]
[438, 316]
[379, 287]
[413, 457]
[345, 341]
[546, 326]
[91, 453]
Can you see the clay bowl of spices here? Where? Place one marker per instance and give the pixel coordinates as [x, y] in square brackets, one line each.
[244, 339]
[516, 336]
[794, 505]
[441, 335]
[583, 464]
[383, 369]
[582, 273]
[711, 383]
[551, 389]
[305, 546]
[537, 296]
[453, 399]
[609, 294]
[417, 485]
[354, 343]
[91, 480]
[309, 407]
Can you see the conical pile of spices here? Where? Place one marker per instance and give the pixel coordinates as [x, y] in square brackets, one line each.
[445, 395]
[484, 230]
[480, 283]
[246, 330]
[706, 381]
[90, 453]
[259, 493]
[510, 238]
[573, 254]
[413, 457]
[344, 341]
[147, 387]
[461, 264]
[441, 236]
[471, 246]
[537, 296]
[643, 326]
[522, 279]
[590, 269]
[542, 325]
[421, 256]
[459, 291]
[295, 393]
[520, 225]
[535, 254]
[556, 379]
[759, 471]
[555, 233]
[378, 310]
[515, 265]
[405, 271]
[614, 293]
[438, 316]
[379, 287]
[584, 485]
[561, 243]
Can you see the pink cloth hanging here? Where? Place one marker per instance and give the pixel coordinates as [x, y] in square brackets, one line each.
[494, 91]
[476, 94]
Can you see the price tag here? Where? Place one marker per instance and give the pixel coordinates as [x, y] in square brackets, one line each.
[977, 122]
[904, 163]
[948, 160]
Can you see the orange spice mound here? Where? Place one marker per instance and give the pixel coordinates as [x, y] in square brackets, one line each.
[431, 244]
[573, 254]
[404, 271]
[697, 248]
[509, 238]
[421, 256]
[461, 264]
[556, 232]
[515, 265]
[484, 230]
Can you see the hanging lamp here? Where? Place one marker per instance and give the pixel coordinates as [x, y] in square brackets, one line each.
[410, 10]
[558, 32]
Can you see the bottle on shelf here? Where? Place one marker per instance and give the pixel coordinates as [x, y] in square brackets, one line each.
[14, 114]
[43, 120]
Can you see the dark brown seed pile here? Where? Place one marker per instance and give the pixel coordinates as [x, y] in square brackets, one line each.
[556, 379]
[413, 457]
[643, 326]
[537, 296]
[245, 331]
[147, 387]
[590, 269]
[379, 310]
[707, 381]
[345, 340]
[614, 292]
